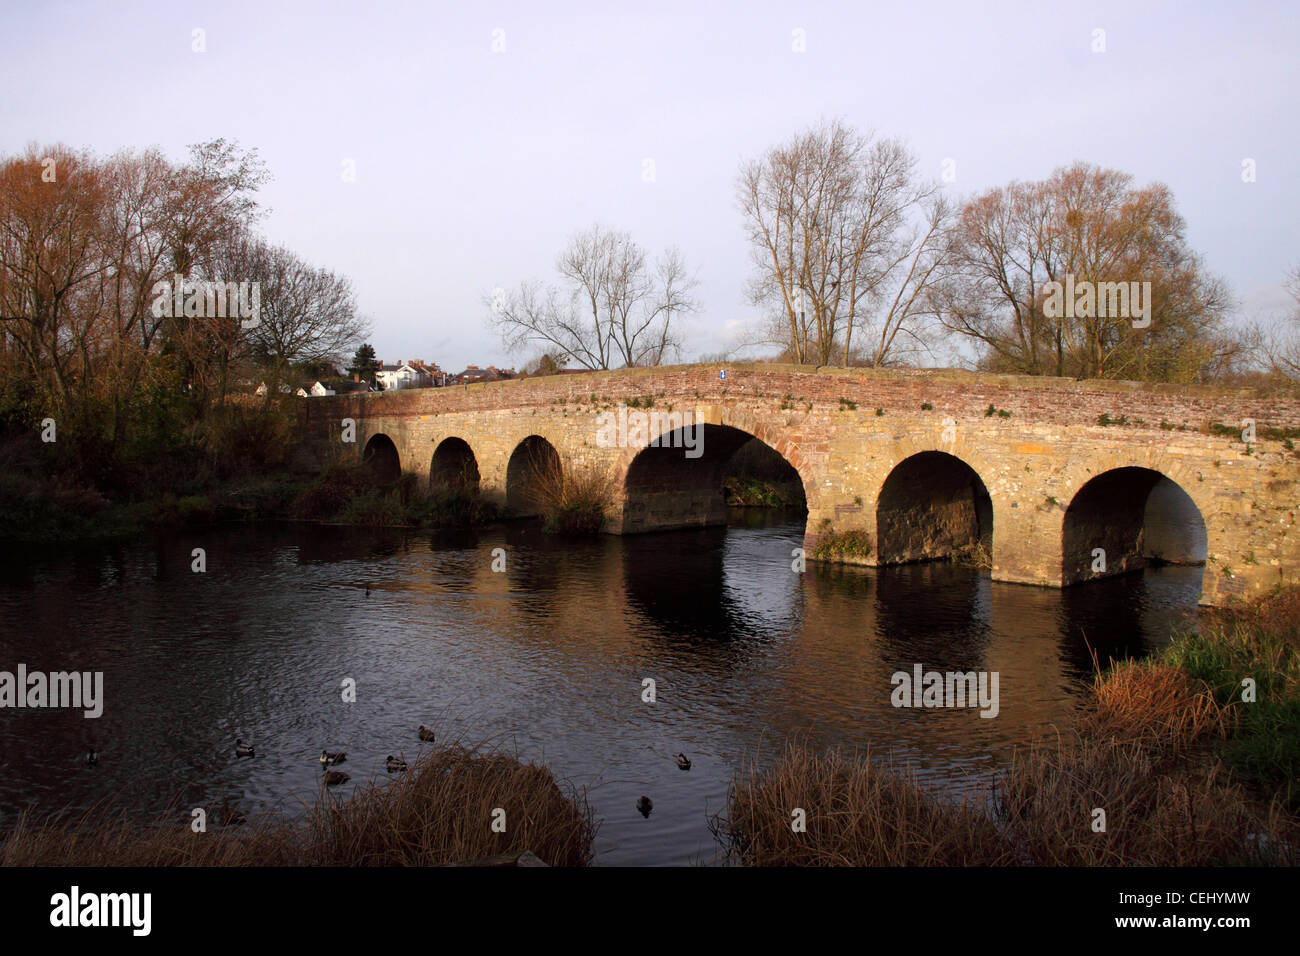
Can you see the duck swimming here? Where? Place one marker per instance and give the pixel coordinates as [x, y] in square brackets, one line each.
[683, 762]
[644, 805]
[395, 764]
[335, 777]
[330, 757]
[242, 749]
[426, 734]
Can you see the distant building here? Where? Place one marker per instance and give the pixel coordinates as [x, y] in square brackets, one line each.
[356, 385]
[474, 374]
[411, 374]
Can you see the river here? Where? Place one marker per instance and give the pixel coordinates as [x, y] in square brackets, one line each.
[547, 656]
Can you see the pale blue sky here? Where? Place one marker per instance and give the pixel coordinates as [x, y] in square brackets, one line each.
[473, 167]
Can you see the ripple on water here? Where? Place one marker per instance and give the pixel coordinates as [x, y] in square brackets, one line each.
[548, 657]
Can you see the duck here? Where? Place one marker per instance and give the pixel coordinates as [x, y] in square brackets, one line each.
[683, 762]
[229, 816]
[242, 749]
[395, 764]
[335, 777]
[92, 758]
[644, 805]
[367, 590]
[426, 734]
[330, 757]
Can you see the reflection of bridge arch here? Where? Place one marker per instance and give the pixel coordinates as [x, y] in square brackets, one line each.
[1123, 518]
[380, 456]
[677, 481]
[932, 505]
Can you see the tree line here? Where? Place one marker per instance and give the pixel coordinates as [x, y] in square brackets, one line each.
[86, 245]
[91, 249]
[858, 260]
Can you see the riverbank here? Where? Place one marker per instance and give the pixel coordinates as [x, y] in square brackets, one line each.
[46, 512]
[453, 805]
[1190, 758]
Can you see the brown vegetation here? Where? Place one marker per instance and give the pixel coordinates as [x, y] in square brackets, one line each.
[1186, 773]
[440, 811]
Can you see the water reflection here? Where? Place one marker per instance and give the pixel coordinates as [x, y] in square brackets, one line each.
[549, 655]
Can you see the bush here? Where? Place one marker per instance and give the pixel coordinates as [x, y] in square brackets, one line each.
[843, 546]
[335, 490]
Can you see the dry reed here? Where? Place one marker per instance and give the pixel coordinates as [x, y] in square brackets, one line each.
[440, 811]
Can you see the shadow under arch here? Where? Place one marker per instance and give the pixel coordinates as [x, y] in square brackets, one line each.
[677, 482]
[380, 456]
[932, 506]
[454, 467]
[533, 463]
[1125, 518]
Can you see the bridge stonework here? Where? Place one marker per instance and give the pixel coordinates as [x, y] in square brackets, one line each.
[1034, 443]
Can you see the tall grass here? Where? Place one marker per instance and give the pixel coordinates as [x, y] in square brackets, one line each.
[1257, 644]
[1155, 704]
[1186, 771]
[438, 812]
[578, 500]
[857, 814]
[1051, 802]
[1042, 811]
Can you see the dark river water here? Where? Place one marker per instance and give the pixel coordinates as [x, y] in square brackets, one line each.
[547, 657]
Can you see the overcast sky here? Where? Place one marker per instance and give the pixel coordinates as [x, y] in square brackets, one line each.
[474, 166]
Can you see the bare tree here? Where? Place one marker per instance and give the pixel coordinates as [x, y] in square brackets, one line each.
[1094, 225]
[828, 215]
[307, 314]
[1281, 341]
[615, 308]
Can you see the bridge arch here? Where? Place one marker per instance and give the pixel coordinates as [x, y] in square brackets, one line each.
[1125, 517]
[380, 456]
[454, 467]
[932, 505]
[533, 464]
[676, 480]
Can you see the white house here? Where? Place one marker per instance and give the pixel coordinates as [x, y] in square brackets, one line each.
[412, 374]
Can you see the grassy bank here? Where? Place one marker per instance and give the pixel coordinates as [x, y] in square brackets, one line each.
[440, 811]
[46, 511]
[348, 494]
[1187, 772]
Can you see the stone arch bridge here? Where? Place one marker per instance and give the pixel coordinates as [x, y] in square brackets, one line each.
[1044, 475]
